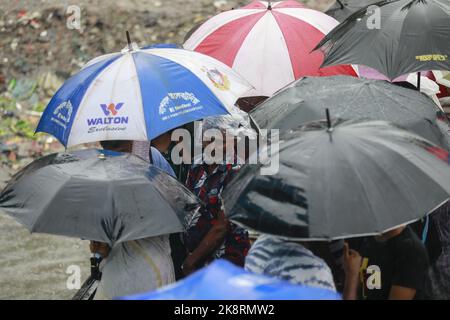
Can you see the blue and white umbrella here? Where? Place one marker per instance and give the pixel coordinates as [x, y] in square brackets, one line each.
[140, 93]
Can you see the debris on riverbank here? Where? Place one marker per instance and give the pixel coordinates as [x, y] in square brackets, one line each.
[40, 51]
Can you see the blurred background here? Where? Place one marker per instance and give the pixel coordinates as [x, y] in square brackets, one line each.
[42, 44]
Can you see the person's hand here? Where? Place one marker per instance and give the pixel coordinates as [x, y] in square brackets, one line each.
[100, 248]
[352, 261]
[189, 265]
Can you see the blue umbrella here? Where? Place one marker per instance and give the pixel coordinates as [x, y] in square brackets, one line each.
[140, 93]
[222, 280]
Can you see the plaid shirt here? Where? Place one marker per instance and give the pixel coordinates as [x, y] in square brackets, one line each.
[208, 187]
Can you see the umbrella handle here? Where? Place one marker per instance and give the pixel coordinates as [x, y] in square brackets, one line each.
[327, 113]
[418, 80]
[95, 266]
[340, 3]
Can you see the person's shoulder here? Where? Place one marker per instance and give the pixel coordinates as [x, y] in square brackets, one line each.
[151, 243]
[266, 238]
[408, 243]
[409, 238]
[155, 153]
[281, 247]
[159, 161]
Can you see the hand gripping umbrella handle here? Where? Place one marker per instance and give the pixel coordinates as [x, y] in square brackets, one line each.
[95, 264]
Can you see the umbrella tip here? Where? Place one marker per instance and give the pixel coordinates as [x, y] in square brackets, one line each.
[269, 6]
[327, 112]
[128, 39]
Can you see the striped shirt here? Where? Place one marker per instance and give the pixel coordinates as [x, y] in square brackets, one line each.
[289, 261]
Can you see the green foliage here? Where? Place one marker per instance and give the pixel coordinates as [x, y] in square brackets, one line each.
[23, 128]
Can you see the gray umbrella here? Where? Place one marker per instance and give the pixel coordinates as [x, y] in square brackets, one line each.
[355, 179]
[342, 9]
[352, 98]
[108, 197]
[410, 36]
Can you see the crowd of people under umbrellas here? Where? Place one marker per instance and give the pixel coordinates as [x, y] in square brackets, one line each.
[393, 265]
[380, 243]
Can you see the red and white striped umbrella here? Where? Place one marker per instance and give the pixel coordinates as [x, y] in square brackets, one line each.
[268, 43]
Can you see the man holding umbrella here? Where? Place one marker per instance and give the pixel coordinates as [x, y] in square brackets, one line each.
[388, 174]
[211, 235]
[140, 265]
[181, 91]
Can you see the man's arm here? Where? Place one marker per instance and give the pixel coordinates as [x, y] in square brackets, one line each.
[401, 293]
[210, 243]
[352, 263]
[351, 288]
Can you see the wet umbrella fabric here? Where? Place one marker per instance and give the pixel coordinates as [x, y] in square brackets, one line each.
[112, 198]
[411, 36]
[139, 93]
[342, 9]
[360, 178]
[352, 98]
[222, 280]
[269, 43]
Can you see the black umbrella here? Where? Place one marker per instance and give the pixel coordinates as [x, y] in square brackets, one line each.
[97, 195]
[411, 36]
[342, 9]
[352, 98]
[354, 179]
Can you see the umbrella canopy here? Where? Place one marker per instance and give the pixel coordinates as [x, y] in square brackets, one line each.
[426, 84]
[442, 77]
[193, 29]
[342, 9]
[222, 280]
[355, 179]
[369, 73]
[410, 36]
[138, 94]
[268, 45]
[351, 98]
[97, 195]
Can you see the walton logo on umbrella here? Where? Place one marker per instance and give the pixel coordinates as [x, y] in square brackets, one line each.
[109, 110]
[111, 117]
